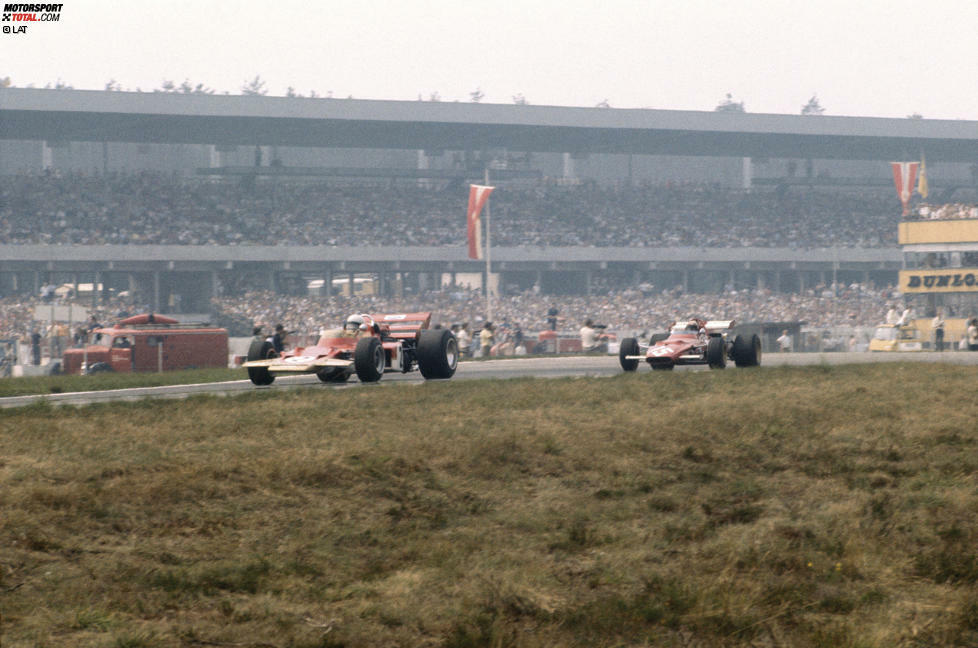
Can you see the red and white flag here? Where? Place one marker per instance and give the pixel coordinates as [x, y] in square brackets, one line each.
[478, 195]
[904, 176]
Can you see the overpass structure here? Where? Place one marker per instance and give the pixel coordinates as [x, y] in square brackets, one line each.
[196, 273]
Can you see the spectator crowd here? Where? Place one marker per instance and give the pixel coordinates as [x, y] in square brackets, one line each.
[630, 310]
[948, 211]
[161, 209]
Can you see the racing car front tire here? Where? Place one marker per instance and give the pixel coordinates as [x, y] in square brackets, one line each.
[368, 359]
[746, 352]
[437, 353]
[629, 347]
[261, 350]
[333, 375]
[716, 352]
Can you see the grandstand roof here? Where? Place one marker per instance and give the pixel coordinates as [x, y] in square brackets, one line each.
[86, 115]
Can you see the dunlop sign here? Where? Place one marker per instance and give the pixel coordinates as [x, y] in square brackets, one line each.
[944, 280]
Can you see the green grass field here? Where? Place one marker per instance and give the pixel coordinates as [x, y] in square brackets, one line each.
[819, 506]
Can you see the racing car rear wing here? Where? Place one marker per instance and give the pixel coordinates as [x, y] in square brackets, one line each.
[404, 324]
[718, 326]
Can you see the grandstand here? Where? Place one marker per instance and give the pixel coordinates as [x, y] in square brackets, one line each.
[180, 199]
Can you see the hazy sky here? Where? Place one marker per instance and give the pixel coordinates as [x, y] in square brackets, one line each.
[883, 58]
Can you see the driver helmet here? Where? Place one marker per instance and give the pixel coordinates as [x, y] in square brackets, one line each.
[353, 323]
[691, 325]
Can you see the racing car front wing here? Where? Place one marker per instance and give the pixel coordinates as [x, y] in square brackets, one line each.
[298, 364]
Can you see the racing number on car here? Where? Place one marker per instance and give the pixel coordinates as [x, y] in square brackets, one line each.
[299, 360]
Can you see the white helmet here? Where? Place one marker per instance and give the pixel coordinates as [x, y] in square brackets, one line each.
[354, 322]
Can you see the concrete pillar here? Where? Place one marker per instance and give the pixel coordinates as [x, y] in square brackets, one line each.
[685, 281]
[747, 173]
[587, 282]
[423, 164]
[351, 278]
[156, 291]
[328, 282]
[569, 172]
[215, 284]
[96, 291]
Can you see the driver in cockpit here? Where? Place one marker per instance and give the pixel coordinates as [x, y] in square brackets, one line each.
[361, 325]
[354, 326]
[693, 326]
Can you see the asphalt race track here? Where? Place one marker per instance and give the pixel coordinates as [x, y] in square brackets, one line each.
[564, 366]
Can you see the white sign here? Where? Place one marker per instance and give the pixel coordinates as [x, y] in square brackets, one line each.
[60, 313]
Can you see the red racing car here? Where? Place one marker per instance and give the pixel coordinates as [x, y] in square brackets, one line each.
[367, 345]
[692, 342]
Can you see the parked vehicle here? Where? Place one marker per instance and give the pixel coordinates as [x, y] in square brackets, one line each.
[149, 342]
[894, 337]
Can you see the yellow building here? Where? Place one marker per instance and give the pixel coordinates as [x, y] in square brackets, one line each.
[940, 260]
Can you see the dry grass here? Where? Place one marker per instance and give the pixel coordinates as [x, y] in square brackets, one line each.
[779, 507]
[25, 386]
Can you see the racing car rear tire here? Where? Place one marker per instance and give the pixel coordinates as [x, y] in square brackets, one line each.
[369, 360]
[437, 353]
[746, 352]
[261, 350]
[716, 352]
[629, 347]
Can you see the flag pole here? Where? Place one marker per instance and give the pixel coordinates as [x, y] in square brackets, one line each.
[488, 255]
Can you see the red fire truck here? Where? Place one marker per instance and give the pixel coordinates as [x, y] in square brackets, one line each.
[149, 342]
